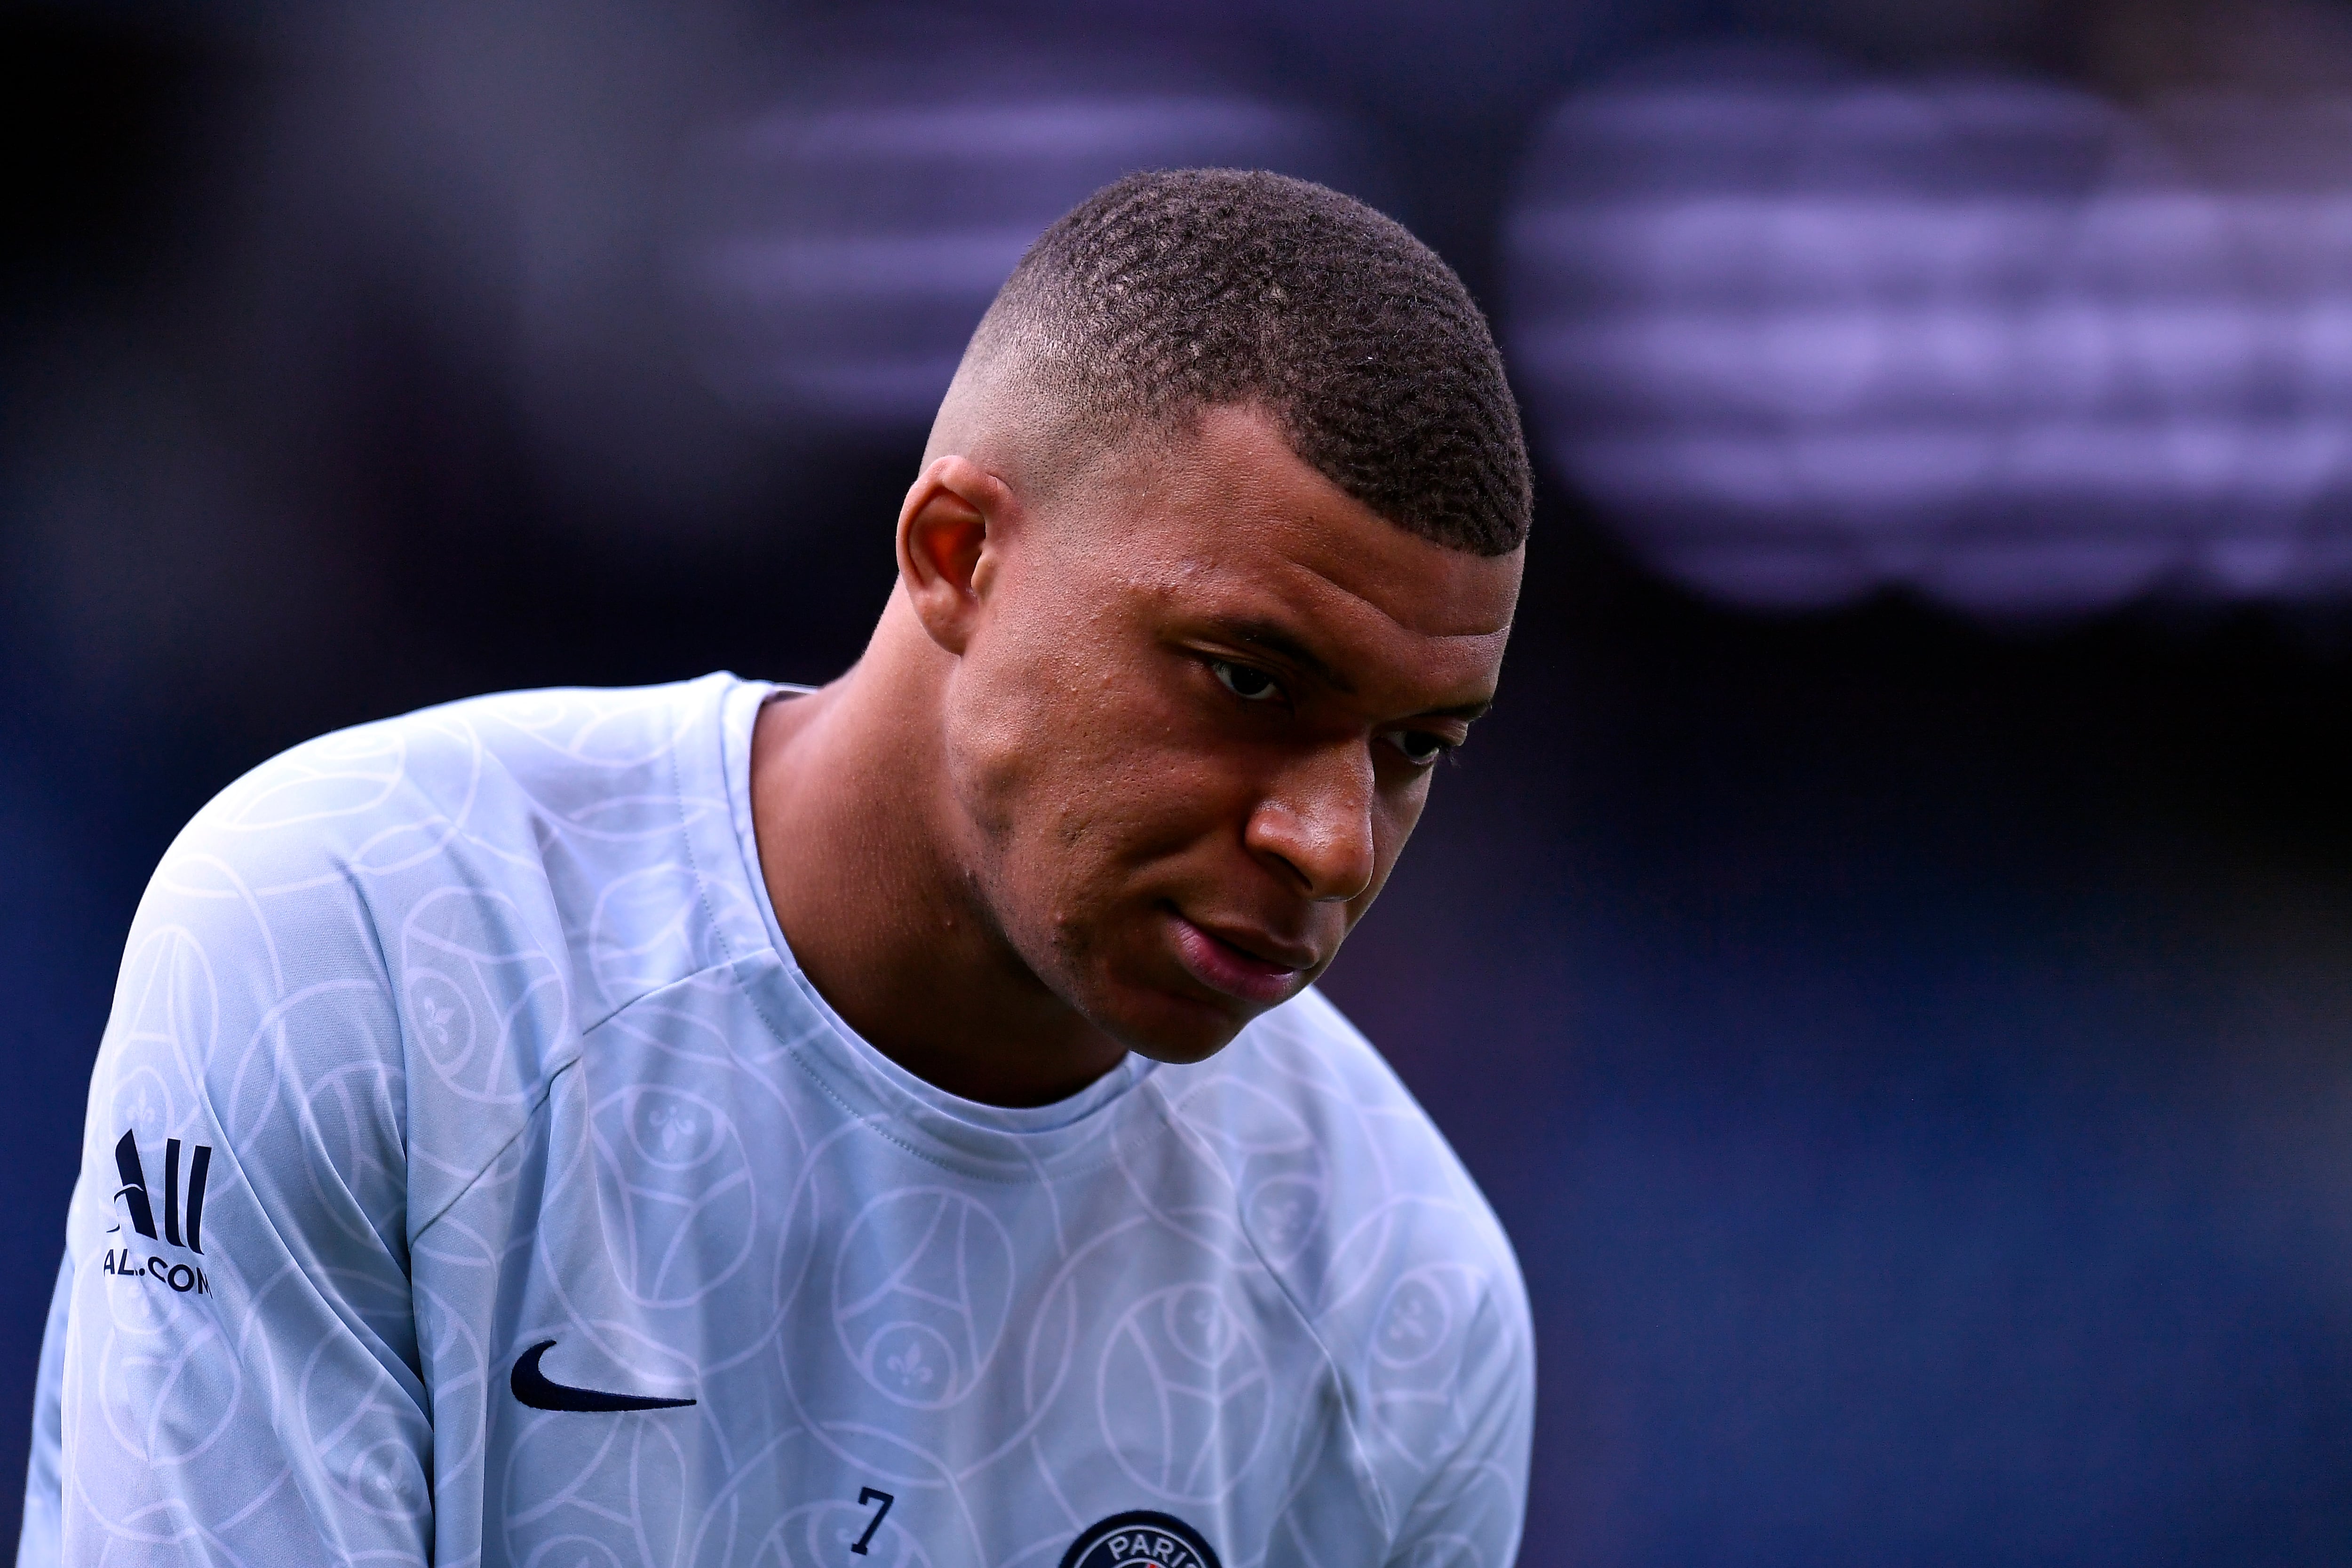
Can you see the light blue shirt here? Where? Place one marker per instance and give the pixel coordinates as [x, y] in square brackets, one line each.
[471, 1177]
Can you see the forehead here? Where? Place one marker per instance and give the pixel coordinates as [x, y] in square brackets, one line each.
[1227, 523]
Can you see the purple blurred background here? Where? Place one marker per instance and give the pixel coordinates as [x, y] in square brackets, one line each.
[1889, 955]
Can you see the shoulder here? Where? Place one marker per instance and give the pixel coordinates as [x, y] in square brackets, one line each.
[448, 899]
[537, 799]
[376, 797]
[497, 831]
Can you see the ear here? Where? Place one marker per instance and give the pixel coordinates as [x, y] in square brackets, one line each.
[951, 534]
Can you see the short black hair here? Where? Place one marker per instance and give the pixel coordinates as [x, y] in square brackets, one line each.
[1174, 291]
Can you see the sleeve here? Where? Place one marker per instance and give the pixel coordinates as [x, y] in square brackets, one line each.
[37, 1543]
[1473, 1505]
[231, 1370]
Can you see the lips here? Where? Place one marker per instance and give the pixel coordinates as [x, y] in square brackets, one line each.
[1245, 966]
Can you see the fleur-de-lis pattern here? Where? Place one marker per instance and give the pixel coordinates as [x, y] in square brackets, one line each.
[486, 1017]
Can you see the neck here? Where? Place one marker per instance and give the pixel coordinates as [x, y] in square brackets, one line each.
[871, 874]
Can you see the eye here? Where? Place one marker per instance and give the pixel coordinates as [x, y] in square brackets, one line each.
[1252, 685]
[1419, 748]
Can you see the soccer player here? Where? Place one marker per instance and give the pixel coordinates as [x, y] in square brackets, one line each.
[890, 1123]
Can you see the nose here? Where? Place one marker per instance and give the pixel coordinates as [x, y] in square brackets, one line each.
[1315, 824]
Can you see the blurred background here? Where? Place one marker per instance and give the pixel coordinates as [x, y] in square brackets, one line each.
[1889, 956]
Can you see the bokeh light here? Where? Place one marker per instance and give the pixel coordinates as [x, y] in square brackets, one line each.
[1803, 334]
[848, 243]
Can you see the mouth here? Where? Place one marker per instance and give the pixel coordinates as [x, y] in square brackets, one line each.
[1242, 964]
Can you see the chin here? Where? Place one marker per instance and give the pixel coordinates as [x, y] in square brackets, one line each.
[1180, 1054]
[1176, 1029]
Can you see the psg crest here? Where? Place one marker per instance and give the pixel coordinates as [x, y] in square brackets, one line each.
[1141, 1540]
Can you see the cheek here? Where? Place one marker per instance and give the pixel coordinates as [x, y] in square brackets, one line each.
[1049, 749]
[1082, 786]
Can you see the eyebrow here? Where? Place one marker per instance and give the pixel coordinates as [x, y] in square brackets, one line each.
[1274, 640]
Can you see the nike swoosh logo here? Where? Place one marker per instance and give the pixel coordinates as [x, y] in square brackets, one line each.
[541, 1392]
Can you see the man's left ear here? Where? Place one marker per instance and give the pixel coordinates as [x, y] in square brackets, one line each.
[949, 531]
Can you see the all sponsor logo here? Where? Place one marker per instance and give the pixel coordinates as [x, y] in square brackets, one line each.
[181, 1277]
[184, 1215]
[1141, 1540]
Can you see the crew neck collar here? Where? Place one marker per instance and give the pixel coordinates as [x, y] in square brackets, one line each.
[851, 1068]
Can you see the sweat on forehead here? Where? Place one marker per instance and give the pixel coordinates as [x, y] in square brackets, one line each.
[1172, 292]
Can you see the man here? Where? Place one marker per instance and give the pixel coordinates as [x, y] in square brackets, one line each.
[720, 1124]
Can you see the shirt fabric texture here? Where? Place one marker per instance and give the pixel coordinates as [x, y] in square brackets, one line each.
[441, 1038]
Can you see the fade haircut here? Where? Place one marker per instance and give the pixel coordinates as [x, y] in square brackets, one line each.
[1169, 293]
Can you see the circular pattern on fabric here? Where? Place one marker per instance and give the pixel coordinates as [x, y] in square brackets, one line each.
[1185, 1394]
[921, 1293]
[676, 1193]
[1141, 1540]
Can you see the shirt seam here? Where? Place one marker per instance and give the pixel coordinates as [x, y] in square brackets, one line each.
[686, 834]
[1489, 1301]
[1391, 1522]
[547, 1084]
[546, 1088]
